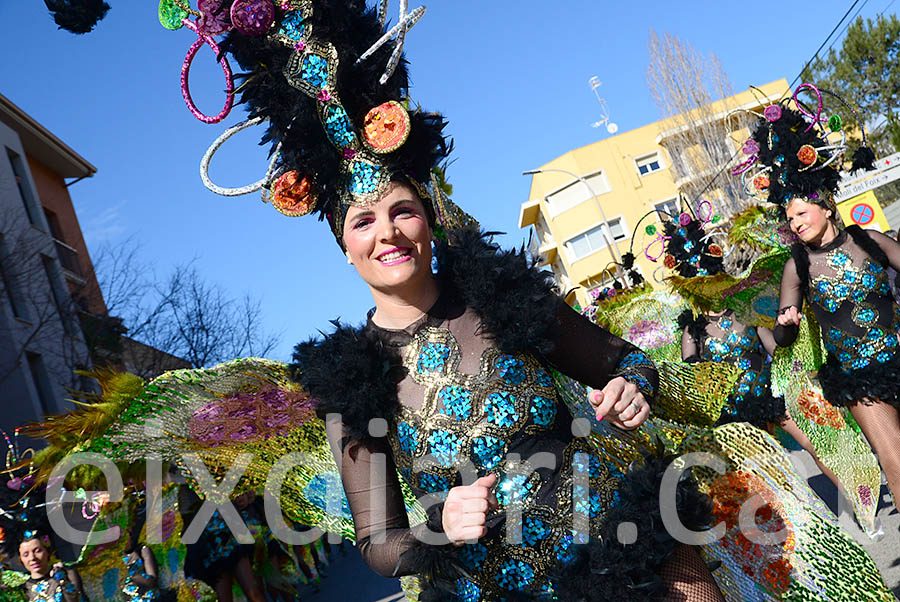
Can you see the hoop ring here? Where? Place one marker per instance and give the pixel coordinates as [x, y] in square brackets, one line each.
[186, 69]
[217, 144]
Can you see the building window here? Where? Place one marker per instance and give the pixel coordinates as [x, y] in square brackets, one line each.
[59, 297]
[18, 168]
[575, 192]
[667, 209]
[648, 163]
[41, 382]
[10, 284]
[593, 240]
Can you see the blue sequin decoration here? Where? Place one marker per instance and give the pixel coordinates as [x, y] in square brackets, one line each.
[338, 126]
[500, 409]
[884, 356]
[514, 575]
[543, 411]
[488, 451]
[456, 401]
[314, 70]
[433, 358]
[325, 486]
[544, 379]
[564, 551]
[472, 556]
[466, 591]
[292, 26]
[513, 489]
[432, 483]
[408, 435]
[364, 177]
[534, 530]
[444, 447]
[511, 369]
[635, 359]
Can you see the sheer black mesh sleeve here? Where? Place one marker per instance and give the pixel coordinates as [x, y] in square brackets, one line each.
[690, 347]
[594, 356]
[376, 502]
[791, 295]
[890, 247]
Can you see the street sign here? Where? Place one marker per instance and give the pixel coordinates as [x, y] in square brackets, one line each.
[864, 211]
[879, 179]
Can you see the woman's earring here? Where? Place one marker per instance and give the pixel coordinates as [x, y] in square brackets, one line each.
[349, 261]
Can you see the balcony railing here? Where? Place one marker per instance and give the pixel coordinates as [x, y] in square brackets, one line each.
[68, 257]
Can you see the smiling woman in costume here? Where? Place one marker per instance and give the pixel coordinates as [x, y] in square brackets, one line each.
[450, 389]
[840, 272]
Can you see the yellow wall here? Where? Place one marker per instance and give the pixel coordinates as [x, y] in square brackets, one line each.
[630, 195]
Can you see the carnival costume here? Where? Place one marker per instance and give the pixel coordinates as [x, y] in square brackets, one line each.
[473, 385]
[845, 282]
[694, 248]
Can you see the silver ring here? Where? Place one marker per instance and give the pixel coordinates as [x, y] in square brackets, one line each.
[636, 406]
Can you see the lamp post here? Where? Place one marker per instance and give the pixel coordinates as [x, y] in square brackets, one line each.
[613, 248]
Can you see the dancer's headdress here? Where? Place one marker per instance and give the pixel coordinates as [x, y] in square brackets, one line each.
[687, 244]
[23, 513]
[331, 86]
[795, 152]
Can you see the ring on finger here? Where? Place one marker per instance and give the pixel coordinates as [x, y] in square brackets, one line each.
[635, 406]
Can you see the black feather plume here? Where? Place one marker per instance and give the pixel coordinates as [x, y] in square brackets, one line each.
[863, 159]
[77, 16]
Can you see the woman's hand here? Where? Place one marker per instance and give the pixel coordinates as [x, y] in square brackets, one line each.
[789, 316]
[622, 402]
[465, 510]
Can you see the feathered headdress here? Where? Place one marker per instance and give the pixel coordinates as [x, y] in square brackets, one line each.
[330, 85]
[795, 153]
[685, 244]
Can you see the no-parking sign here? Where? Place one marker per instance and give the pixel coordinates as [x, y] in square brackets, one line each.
[863, 210]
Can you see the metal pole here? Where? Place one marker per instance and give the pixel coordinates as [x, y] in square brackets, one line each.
[613, 248]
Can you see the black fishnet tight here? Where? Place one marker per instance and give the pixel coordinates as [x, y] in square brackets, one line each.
[880, 423]
[688, 578]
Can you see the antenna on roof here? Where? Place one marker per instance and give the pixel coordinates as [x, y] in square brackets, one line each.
[611, 127]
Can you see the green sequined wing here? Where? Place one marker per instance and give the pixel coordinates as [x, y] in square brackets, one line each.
[245, 407]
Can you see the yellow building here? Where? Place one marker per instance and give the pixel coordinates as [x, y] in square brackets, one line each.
[631, 175]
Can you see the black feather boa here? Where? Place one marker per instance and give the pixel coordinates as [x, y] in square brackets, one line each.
[517, 302]
[758, 411]
[604, 569]
[876, 382]
[347, 371]
[696, 325]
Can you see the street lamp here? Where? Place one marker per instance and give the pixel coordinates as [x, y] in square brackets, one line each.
[613, 248]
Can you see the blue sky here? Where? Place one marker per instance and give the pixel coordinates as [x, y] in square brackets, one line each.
[511, 76]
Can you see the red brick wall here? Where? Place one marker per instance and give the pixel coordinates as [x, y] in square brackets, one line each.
[54, 195]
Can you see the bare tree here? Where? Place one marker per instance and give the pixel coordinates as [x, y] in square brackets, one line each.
[184, 315]
[685, 85]
[46, 319]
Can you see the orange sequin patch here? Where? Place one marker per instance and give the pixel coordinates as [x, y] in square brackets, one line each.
[807, 154]
[761, 182]
[817, 409]
[386, 127]
[292, 194]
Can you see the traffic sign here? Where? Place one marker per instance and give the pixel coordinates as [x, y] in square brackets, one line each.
[863, 210]
[862, 214]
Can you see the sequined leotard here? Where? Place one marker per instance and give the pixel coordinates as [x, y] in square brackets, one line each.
[56, 587]
[850, 295]
[467, 406]
[725, 339]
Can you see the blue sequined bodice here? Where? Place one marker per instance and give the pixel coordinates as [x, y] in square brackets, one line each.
[851, 297]
[499, 420]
